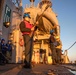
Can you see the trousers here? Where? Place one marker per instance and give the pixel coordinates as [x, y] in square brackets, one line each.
[28, 43]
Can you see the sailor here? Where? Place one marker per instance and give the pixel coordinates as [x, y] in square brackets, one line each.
[26, 28]
[9, 49]
[3, 51]
[52, 46]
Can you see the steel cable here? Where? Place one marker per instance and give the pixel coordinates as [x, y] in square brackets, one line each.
[71, 45]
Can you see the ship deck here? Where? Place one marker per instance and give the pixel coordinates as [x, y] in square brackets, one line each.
[38, 69]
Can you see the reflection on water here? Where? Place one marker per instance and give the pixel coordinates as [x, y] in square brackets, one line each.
[74, 72]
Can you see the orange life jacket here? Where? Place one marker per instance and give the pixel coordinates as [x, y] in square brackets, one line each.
[27, 25]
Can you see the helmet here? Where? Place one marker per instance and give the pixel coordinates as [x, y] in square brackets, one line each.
[26, 15]
[9, 40]
[52, 31]
[3, 40]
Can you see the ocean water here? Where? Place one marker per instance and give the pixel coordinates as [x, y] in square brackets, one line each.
[74, 72]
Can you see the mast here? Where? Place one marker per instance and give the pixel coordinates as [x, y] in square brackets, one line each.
[20, 4]
[32, 2]
[17, 3]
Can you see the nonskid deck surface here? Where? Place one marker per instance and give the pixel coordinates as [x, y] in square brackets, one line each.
[38, 69]
[7, 67]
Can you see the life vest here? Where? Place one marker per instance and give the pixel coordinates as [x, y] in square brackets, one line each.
[27, 25]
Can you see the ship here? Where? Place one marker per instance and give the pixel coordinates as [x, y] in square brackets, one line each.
[10, 18]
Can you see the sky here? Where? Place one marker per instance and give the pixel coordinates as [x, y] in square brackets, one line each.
[66, 11]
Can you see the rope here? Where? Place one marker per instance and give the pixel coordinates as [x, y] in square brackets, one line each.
[71, 45]
[32, 33]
